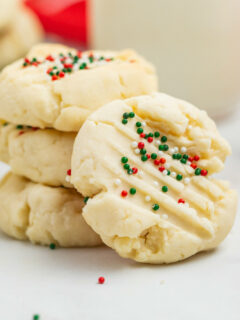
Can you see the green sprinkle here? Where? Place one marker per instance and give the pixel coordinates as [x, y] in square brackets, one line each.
[164, 189]
[178, 156]
[85, 199]
[36, 317]
[51, 73]
[156, 134]
[83, 66]
[161, 147]
[34, 60]
[174, 156]
[65, 70]
[197, 171]
[143, 151]
[101, 58]
[19, 126]
[54, 67]
[184, 161]
[155, 207]
[144, 157]
[179, 177]
[131, 114]
[126, 166]
[150, 134]
[130, 171]
[69, 70]
[146, 136]
[185, 156]
[168, 172]
[25, 64]
[125, 115]
[140, 130]
[138, 124]
[124, 121]
[164, 139]
[124, 159]
[133, 191]
[91, 59]
[165, 147]
[154, 156]
[52, 246]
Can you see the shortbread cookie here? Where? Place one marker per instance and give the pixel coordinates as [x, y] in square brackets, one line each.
[8, 9]
[41, 155]
[145, 162]
[57, 86]
[19, 36]
[43, 214]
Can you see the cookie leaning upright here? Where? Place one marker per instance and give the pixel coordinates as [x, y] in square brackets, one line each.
[146, 164]
[58, 87]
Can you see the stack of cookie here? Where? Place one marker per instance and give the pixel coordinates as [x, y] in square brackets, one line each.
[44, 100]
[19, 30]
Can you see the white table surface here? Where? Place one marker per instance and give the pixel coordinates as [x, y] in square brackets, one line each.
[62, 284]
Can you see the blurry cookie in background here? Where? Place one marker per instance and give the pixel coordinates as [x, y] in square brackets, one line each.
[19, 35]
[8, 9]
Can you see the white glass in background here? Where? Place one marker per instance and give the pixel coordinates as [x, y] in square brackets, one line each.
[195, 44]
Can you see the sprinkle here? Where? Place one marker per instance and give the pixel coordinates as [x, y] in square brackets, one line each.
[125, 115]
[154, 156]
[167, 165]
[36, 317]
[179, 177]
[140, 145]
[85, 199]
[157, 162]
[197, 171]
[126, 166]
[140, 173]
[117, 182]
[143, 151]
[143, 123]
[124, 159]
[21, 132]
[69, 172]
[188, 163]
[134, 144]
[155, 207]
[144, 158]
[124, 121]
[137, 151]
[196, 158]
[140, 130]
[101, 280]
[147, 198]
[173, 174]
[204, 172]
[129, 171]
[132, 191]
[150, 139]
[165, 147]
[156, 134]
[142, 135]
[52, 246]
[124, 193]
[138, 124]
[164, 189]
[184, 161]
[186, 180]
[68, 178]
[193, 165]
[181, 200]
[164, 139]
[54, 78]
[131, 114]
[157, 142]
[134, 170]
[156, 183]
[183, 149]
[19, 126]
[185, 156]
[190, 159]
[171, 150]
[161, 169]
[165, 172]
[148, 155]
[162, 160]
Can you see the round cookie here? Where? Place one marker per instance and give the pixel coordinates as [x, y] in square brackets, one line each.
[43, 215]
[19, 36]
[8, 9]
[145, 162]
[41, 155]
[57, 86]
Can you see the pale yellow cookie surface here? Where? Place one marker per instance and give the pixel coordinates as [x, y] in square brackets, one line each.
[8, 9]
[40, 93]
[23, 31]
[43, 214]
[41, 155]
[152, 199]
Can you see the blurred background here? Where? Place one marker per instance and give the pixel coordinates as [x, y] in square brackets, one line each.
[193, 44]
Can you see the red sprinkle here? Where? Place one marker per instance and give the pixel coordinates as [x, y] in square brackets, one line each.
[142, 135]
[79, 54]
[134, 170]
[20, 133]
[35, 128]
[54, 78]
[61, 74]
[193, 165]
[101, 280]
[162, 160]
[150, 139]
[157, 162]
[49, 58]
[26, 60]
[190, 159]
[148, 155]
[49, 70]
[132, 61]
[35, 64]
[162, 168]
[140, 145]
[108, 59]
[69, 172]
[196, 158]
[68, 65]
[181, 200]
[204, 172]
[124, 193]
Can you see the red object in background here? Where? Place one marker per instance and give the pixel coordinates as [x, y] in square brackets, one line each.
[64, 18]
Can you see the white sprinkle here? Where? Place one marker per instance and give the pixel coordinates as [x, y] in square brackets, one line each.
[140, 173]
[160, 153]
[117, 182]
[183, 149]
[134, 144]
[176, 149]
[171, 151]
[164, 216]
[68, 178]
[165, 172]
[157, 142]
[173, 174]
[143, 123]
[147, 198]
[167, 165]
[156, 183]
[186, 180]
[189, 127]
[137, 151]
[186, 204]
[188, 163]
